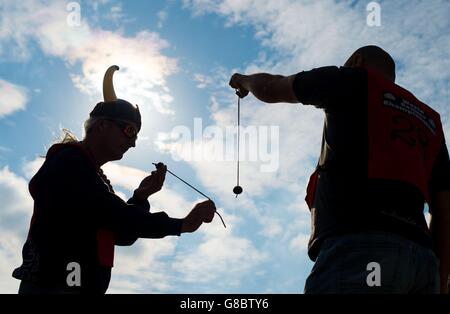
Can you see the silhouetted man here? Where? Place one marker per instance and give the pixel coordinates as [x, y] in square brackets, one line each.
[383, 155]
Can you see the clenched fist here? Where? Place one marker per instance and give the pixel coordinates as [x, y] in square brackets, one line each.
[239, 81]
[152, 183]
[202, 212]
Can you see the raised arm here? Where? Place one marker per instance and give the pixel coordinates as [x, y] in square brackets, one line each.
[266, 87]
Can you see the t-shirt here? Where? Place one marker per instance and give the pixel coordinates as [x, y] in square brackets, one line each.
[345, 200]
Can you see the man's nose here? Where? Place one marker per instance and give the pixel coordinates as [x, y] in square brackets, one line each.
[133, 142]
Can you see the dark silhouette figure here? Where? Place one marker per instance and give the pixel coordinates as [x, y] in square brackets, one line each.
[78, 219]
[383, 155]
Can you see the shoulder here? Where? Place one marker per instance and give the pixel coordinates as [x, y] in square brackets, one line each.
[324, 86]
[66, 156]
[359, 72]
[330, 79]
[330, 72]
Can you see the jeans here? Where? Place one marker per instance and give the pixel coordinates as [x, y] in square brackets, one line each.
[373, 262]
[32, 288]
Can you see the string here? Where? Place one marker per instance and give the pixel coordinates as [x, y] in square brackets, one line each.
[197, 191]
[239, 138]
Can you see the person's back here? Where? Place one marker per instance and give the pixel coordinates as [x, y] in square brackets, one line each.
[383, 155]
[366, 199]
[346, 200]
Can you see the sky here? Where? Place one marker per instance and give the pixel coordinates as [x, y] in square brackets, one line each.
[175, 59]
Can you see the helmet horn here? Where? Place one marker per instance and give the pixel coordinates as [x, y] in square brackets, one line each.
[108, 87]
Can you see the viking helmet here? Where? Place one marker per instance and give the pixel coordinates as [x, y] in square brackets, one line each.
[113, 107]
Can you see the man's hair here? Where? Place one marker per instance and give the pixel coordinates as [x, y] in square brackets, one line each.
[380, 59]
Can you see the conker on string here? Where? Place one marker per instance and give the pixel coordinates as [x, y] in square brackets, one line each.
[237, 190]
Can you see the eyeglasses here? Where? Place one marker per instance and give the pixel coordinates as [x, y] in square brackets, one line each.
[126, 128]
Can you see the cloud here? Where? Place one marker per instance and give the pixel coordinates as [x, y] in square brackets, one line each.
[95, 4]
[5, 149]
[143, 268]
[327, 32]
[143, 69]
[212, 257]
[14, 193]
[10, 258]
[12, 98]
[31, 168]
[300, 242]
[115, 13]
[123, 176]
[202, 80]
[220, 260]
[142, 78]
[162, 17]
[14, 220]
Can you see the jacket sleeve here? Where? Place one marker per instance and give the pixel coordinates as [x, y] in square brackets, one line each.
[126, 240]
[327, 86]
[106, 210]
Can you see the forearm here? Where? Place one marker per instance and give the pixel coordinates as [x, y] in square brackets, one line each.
[159, 225]
[147, 225]
[127, 240]
[139, 224]
[269, 88]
